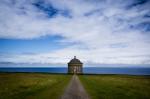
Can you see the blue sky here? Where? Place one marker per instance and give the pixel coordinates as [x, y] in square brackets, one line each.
[43, 44]
[96, 31]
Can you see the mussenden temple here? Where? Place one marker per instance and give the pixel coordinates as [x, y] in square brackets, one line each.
[75, 66]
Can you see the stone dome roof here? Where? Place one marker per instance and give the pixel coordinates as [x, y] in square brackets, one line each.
[75, 61]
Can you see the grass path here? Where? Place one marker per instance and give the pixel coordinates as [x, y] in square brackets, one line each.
[75, 90]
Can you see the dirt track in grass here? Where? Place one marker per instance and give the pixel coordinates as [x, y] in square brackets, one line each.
[75, 90]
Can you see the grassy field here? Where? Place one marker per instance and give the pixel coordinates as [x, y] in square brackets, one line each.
[116, 86]
[51, 86]
[32, 85]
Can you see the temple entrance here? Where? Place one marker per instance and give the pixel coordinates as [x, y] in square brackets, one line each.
[75, 70]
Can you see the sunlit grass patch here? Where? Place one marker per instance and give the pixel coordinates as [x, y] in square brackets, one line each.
[32, 85]
[117, 86]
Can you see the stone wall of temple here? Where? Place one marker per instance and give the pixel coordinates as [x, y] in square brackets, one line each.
[75, 68]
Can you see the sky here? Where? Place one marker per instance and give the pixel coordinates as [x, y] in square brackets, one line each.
[54, 31]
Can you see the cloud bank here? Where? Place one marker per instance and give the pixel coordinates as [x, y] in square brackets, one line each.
[98, 31]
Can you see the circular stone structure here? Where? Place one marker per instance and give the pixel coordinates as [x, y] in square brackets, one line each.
[75, 66]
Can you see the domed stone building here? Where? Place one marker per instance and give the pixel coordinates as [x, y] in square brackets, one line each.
[75, 66]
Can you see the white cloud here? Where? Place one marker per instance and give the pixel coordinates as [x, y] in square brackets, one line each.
[104, 35]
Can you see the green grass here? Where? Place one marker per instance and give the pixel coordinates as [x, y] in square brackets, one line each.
[116, 86]
[32, 85]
